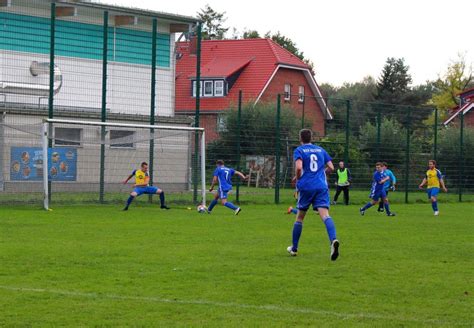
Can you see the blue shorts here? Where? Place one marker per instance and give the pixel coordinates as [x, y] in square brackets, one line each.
[317, 198]
[222, 193]
[145, 190]
[432, 192]
[376, 195]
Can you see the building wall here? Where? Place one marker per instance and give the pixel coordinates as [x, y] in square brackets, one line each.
[312, 110]
[24, 37]
[172, 156]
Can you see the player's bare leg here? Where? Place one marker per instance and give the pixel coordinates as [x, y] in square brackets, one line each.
[133, 194]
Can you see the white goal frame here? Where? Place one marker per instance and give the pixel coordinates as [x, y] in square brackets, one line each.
[46, 137]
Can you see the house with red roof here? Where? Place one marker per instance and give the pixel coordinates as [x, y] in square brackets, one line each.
[260, 68]
[466, 109]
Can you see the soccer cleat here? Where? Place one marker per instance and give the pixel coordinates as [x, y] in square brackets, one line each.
[164, 207]
[333, 202]
[436, 213]
[289, 210]
[125, 209]
[391, 214]
[334, 249]
[291, 251]
[237, 211]
[381, 210]
[361, 211]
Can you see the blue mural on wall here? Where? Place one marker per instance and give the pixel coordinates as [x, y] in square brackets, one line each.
[26, 164]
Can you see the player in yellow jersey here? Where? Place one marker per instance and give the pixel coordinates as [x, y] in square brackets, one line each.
[433, 180]
[142, 186]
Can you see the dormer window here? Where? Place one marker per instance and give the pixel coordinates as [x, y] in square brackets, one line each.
[211, 88]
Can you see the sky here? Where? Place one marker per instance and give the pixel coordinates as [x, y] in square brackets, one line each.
[348, 40]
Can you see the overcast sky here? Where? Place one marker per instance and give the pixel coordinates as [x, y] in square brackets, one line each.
[347, 39]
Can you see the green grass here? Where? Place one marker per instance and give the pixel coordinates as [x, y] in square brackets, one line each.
[95, 266]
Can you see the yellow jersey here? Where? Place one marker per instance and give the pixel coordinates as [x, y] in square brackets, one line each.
[141, 178]
[433, 178]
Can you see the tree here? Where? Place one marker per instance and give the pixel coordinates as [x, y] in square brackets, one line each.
[213, 21]
[394, 81]
[251, 34]
[458, 76]
[286, 43]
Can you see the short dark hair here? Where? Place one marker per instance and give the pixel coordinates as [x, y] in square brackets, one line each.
[220, 162]
[379, 164]
[432, 161]
[144, 163]
[385, 164]
[306, 135]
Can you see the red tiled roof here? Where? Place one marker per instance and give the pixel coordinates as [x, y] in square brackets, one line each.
[219, 57]
[464, 110]
[223, 67]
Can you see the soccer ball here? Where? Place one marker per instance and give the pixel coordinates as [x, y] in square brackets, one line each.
[202, 209]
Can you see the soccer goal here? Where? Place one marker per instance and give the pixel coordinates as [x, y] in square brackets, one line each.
[89, 161]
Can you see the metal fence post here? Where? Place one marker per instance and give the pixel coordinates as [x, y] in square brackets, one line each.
[346, 147]
[152, 102]
[239, 127]
[407, 158]
[277, 151]
[52, 51]
[435, 145]
[379, 133]
[104, 105]
[461, 157]
[197, 113]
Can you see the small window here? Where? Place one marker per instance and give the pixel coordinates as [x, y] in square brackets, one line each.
[194, 89]
[208, 88]
[67, 137]
[121, 139]
[287, 92]
[219, 88]
[301, 94]
[221, 123]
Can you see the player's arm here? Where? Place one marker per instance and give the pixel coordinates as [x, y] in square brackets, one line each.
[128, 179]
[441, 182]
[382, 181]
[329, 167]
[423, 183]
[241, 175]
[298, 169]
[213, 183]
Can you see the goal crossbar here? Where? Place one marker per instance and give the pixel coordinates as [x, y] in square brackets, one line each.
[46, 137]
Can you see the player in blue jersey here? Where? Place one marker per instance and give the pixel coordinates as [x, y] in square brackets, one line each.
[378, 192]
[389, 185]
[223, 176]
[142, 186]
[310, 177]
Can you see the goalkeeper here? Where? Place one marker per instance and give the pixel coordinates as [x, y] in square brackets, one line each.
[142, 181]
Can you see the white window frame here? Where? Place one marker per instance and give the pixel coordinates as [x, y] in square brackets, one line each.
[194, 88]
[301, 94]
[79, 145]
[221, 124]
[220, 88]
[119, 145]
[207, 94]
[287, 94]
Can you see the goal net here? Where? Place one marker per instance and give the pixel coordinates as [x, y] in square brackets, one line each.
[87, 162]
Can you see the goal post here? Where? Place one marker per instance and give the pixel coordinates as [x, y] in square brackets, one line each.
[73, 166]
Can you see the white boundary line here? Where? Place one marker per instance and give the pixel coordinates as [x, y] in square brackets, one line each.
[271, 308]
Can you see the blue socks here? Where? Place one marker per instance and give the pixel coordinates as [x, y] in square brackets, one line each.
[129, 201]
[387, 208]
[297, 229]
[212, 204]
[331, 228]
[294, 211]
[367, 206]
[231, 206]
[162, 199]
[434, 205]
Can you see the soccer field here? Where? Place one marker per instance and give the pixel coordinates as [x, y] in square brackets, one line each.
[97, 265]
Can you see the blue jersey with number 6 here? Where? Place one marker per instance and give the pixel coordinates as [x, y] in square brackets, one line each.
[224, 175]
[314, 167]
